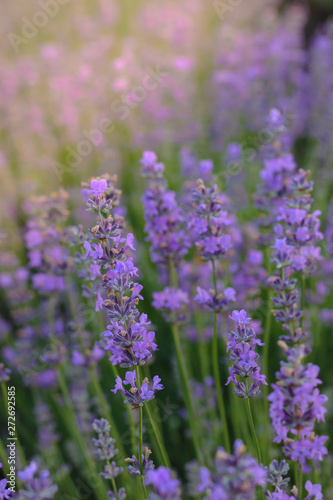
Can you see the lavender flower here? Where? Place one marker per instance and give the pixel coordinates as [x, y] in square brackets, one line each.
[37, 485]
[301, 228]
[235, 475]
[128, 340]
[242, 343]
[45, 240]
[173, 302]
[276, 472]
[134, 468]
[105, 450]
[214, 302]
[5, 493]
[137, 395]
[4, 373]
[296, 402]
[314, 491]
[279, 165]
[164, 222]
[209, 222]
[166, 487]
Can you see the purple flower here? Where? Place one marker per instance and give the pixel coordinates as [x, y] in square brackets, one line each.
[235, 475]
[166, 487]
[5, 494]
[240, 317]
[134, 467]
[37, 486]
[215, 302]
[173, 302]
[164, 222]
[242, 344]
[45, 239]
[4, 373]
[136, 395]
[105, 450]
[98, 186]
[314, 491]
[109, 256]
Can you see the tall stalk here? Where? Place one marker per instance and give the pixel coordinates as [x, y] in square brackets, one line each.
[267, 338]
[215, 358]
[158, 437]
[184, 377]
[254, 437]
[140, 459]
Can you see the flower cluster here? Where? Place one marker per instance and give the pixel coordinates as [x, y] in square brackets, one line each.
[37, 485]
[296, 402]
[134, 467]
[4, 373]
[105, 450]
[235, 475]
[5, 493]
[165, 485]
[247, 279]
[209, 222]
[278, 166]
[276, 472]
[242, 344]
[173, 302]
[45, 241]
[300, 228]
[212, 302]
[128, 340]
[314, 493]
[164, 222]
[135, 395]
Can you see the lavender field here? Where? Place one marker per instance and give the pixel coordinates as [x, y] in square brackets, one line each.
[166, 250]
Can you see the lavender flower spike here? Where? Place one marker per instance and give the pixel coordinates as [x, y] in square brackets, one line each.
[37, 485]
[105, 450]
[235, 475]
[166, 487]
[242, 344]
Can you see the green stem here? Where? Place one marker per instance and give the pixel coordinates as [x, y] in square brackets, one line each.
[140, 460]
[145, 494]
[158, 437]
[187, 393]
[184, 378]
[220, 401]
[113, 482]
[140, 439]
[255, 439]
[266, 357]
[152, 403]
[299, 481]
[216, 370]
[253, 430]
